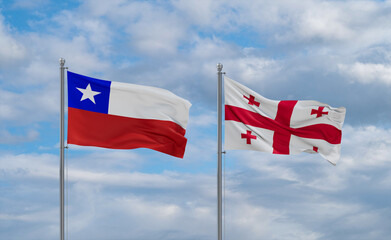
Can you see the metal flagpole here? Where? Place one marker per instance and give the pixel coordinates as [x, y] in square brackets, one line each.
[219, 151]
[62, 68]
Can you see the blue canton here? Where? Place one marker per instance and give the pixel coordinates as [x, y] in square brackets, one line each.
[74, 95]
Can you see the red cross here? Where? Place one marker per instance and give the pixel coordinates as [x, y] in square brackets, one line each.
[281, 126]
[319, 112]
[251, 100]
[248, 136]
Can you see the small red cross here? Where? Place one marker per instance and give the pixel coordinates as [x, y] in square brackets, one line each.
[251, 100]
[248, 136]
[315, 149]
[319, 112]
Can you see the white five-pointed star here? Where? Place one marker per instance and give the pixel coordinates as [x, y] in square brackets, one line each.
[88, 93]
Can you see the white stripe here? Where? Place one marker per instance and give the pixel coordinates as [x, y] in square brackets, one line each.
[234, 140]
[331, 152]
[301, 115]
[144, 102]
[234, 93]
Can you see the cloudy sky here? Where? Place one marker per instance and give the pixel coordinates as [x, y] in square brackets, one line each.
[336, 52]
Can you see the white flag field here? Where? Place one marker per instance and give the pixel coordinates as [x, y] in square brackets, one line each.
[253, 122]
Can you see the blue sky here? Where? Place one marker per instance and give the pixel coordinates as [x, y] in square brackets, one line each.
[337, 52]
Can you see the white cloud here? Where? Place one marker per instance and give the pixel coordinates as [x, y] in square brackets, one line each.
[26, 4]
[210, 15]
[76, 51]
[136, 179]
[38, 105]
[267, 196]
[368, 146]
[151, 29]
[156, 37]
[203, 120]
[367, 73]
[323, 21]
[96, 31]
[10, 48]
[156, 32]
[203, 14]
[30, 166]
[9, 138]
[351, 24]
[246, 219]
[42, 216]
[251, 69]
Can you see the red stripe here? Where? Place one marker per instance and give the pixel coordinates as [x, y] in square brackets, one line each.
[326, 132]
[323, 131]
[284, 112]
[281, 138]
[249, 118]
[109, 131]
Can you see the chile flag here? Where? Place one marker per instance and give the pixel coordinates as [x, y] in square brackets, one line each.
[125, 116]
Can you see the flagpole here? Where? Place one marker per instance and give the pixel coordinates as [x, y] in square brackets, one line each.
[219, 151]
[62, 68]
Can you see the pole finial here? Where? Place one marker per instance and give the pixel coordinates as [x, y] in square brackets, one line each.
[219, 67]
[62, 61]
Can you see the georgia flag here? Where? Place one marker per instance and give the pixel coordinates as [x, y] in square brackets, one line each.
[253, 122]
